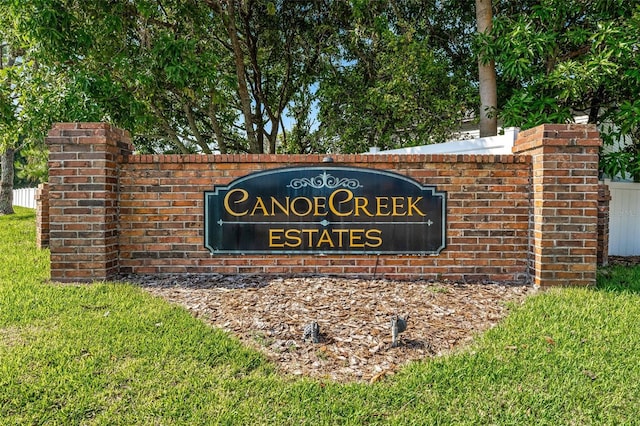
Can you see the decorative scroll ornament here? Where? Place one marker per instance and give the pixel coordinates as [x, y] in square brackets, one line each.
[324, 180]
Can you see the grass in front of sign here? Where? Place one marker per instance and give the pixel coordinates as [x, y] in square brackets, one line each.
[112, 354]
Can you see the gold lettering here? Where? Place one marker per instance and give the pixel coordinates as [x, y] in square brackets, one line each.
[325, 238]
[283, 208]
[293, 237]
[355, 238]
[309, 233]
[272, 238]
[382, 203]
[412, 206]
[335, 209]
[361, 203]
[259, 205]
[340, 233]
[398, 204]
[374, 237]
[320, 202]
[243, 198]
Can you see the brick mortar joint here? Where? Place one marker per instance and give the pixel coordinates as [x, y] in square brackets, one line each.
[340, 159]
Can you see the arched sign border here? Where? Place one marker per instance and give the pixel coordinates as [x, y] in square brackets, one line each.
[325, 210]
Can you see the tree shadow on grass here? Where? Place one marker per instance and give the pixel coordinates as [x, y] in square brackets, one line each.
[619, 278]
[19, 214]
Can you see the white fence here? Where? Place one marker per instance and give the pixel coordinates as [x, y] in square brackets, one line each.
[25, 197]
[500, 144]
[624, 219]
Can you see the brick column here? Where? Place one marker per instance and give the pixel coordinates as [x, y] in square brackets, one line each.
[604, 197]
[83, 200]
[563, 229]
[42, 216]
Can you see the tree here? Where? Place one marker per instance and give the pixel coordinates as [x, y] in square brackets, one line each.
[486, 75]
[187, 76]
[32, 97]
[6, 181]
[387, 84]
[558, 58]
[190, 76]
[282, 42]
[7, 125]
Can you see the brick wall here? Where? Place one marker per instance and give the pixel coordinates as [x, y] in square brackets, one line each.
[162, 216]
[83, 200]
[42, 216]
[564, 196]
[604, 197]
[526, 217]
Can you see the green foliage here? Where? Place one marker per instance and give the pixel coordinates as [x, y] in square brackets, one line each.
[556, 59]
[31, 167]
[625, 135]
[300, 139]
[34, 94]
[191, 76]
[389, 85]
[170, 72]
[8, 107]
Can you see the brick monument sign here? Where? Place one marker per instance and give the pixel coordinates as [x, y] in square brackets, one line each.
[529, 217]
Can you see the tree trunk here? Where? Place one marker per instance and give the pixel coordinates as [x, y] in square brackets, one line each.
[6, 181]
[217, 130]
[243, 91]
[487, 76]
[202, 143]
[596, 102]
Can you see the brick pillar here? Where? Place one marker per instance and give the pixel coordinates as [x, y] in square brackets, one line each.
[83, 200]
[42, 216]
[563, 229]
[604, 197]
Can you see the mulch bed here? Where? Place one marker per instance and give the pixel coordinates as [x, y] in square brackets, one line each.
[624, 260]
[354, 316]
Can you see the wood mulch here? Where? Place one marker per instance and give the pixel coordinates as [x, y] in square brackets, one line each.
[624, 260]
[354, 315]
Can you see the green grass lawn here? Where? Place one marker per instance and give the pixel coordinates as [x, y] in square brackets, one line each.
[112, 354]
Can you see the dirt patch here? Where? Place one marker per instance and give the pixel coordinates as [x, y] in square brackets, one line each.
[353, 316]
[624, 260]
[18, 336]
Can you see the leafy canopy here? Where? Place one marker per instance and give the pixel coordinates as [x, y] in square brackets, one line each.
[255, 75]
[557, 59]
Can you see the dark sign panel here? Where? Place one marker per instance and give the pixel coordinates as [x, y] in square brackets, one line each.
[325, 210]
